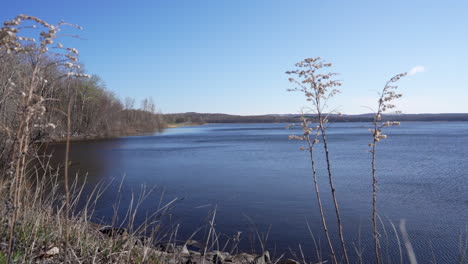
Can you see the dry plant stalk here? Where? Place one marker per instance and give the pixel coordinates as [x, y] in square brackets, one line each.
[386, 97]
[66, 183]
[31, 103]
[318, 88]
[310, 148]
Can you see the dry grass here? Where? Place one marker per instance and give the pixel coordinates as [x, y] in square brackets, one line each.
[43, 226]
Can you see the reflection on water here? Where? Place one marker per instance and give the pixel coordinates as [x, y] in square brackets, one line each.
[252, 171]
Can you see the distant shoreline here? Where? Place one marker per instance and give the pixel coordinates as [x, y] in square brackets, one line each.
[191, 118]
[256, 120]
[176, 125]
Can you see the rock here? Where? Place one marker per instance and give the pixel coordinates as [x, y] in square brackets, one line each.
[188, 260]
[243, 258]
[142, 240]
[183, 250]
[113, 231]
[192, 242]
[263, 259]
[169, 248]
[51, 252]
[194, 245]
[218, 258]
[288, 261]
[159, 253]
[194, 253]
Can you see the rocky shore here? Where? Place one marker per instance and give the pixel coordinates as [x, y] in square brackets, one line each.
[193, 252]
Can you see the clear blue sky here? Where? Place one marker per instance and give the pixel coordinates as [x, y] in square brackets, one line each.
[230, 56]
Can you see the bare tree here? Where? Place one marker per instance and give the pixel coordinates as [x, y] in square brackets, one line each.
[151, 106]
[144, 104]
[129, 103]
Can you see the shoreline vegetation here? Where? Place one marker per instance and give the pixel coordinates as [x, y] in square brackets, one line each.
[46, 235]
[185, 120]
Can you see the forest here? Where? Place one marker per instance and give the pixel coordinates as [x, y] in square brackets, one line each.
[96, 111]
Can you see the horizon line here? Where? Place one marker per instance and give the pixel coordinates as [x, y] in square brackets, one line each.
[369, 113]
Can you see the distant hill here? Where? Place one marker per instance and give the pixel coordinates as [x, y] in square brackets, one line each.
[201, 118]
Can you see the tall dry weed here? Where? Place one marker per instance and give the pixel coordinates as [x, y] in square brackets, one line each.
[318, 87]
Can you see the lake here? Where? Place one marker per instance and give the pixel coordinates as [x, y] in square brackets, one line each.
[259, 181]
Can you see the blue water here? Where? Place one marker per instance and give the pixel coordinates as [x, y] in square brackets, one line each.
[260, 181]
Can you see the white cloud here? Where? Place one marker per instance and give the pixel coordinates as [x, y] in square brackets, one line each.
[416, 69]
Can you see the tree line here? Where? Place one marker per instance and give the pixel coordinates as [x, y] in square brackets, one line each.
[95, 111]
[201, 118]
